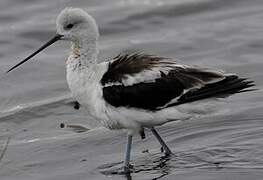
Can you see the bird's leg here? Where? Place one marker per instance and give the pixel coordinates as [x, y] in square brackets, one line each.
[127, 155]
[161, 141]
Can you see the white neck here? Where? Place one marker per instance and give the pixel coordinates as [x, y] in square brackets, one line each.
[83, 54]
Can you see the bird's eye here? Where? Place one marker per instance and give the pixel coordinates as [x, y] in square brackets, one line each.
[69, 26]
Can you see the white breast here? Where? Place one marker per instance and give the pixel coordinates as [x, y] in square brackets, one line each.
[84, 83]
[85, 86]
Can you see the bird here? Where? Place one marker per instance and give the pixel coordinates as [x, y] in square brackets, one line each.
[133, 91]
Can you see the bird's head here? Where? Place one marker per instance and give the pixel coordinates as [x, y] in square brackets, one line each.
[73, 24]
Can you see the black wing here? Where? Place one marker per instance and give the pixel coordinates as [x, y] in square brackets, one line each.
[130, 64]
[147, 96]
[179, 85]
[230, 85]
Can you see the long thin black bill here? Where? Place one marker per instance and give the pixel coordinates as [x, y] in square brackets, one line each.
[51, 41]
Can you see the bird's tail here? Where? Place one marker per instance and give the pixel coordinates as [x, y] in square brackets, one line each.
[230, 85]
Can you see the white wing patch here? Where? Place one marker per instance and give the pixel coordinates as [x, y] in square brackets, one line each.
[148, 75]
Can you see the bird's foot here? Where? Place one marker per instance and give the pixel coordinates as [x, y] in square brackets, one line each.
[167, 153]
[128, 169]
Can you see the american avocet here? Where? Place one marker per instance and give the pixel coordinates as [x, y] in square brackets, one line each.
[132, 91]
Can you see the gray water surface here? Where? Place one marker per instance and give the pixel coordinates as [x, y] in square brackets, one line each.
[34, 99]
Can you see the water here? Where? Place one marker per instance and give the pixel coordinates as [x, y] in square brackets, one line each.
[34, 99]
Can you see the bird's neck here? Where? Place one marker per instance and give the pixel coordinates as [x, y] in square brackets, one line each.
[83, 54]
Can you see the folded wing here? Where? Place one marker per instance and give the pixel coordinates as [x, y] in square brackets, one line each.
[152, 83]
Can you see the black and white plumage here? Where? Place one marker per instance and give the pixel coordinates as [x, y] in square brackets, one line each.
[133, 91]
[159, 83]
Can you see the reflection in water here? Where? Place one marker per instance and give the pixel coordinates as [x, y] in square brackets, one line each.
[157, 166]
[160, 165]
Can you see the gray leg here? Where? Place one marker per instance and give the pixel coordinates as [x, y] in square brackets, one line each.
[161, 141]
[128, 155]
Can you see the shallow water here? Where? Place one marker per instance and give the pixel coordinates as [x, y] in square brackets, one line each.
[34, 99]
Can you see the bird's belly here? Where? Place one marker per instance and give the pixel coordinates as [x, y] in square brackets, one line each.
[87, 92]
[91, 100]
